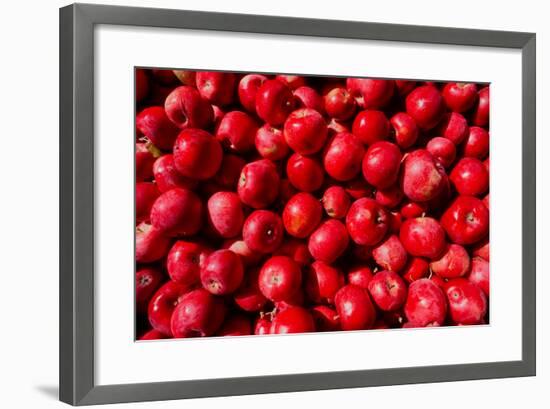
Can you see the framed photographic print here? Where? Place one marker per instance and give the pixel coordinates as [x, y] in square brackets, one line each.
[242, 213]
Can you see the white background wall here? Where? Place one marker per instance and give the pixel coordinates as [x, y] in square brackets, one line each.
[29, 191]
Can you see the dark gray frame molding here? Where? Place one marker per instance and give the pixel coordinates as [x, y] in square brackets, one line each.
[77, 386]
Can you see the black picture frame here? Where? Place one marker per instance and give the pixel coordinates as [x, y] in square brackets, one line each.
[77, 21]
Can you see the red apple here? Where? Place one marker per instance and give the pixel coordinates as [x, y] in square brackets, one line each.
[422, 177]
[248, 256]
[454, 127]
[144, 161]
[274, 102]
[390, 197]
[405, 130]
[217, 87]
[249, 297]
[381, 164]
[155, 125]
[167, 176]
[262, 325]
[459, 96]
[479, 274]
[325, 318]
[339, 104]
[388, 290]
[336, 202]
[258, 184]
[367, 221]
[197, 154]
[248, 89]
[225, 214]
[307, 97]
[148, 280]
[222, 272]
[198, 314]
[390, 254]
[443, 150]
[425, 105]
[467, 303]
[238, 131]
[466, 221]
[371, 126]
[360, 275]
[187, 109]
[185, 260]
[151, 244]
[481, 249]
[305, 173]
[280, 278]
[342, 156]
[374, 93]
[270, 143]
[354, 308]
[481, 112]
[146, 194]
[454, 263]
[292, 320]
[152, 335]
[322, 281]
[305, 131]
[470, 177]
[477, 143]
[177, 212]
[328, 241]
[263, 231]
[426, 305]
[423, 237]
[302, 214]
[411, 210]
[295, 249]
[162, 305]
[415, 269]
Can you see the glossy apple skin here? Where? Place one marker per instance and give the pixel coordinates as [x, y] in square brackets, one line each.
[342, 156]
[480, 116]
[415, 269]
[307, 97]
[339, 104]
[155, 125]
[270, 143]
[292, 320]
[177, 212]
[305, 173]
[248, 296]
[477, 143]
[225, 214]
[388, 290]
[148, 280]
[305, 131]
[425, 105]
[467, 302]
[167, 176]
[454, 127]
[222, 272]
[248, 88]
[258, 184]
[381, 164]
[426, 304]
[466, 221]
[144, 162]
[162, 305]
[263, 231]
[295, 249]
[481, 249]
[146, 194]
[230, 171]
[390, 197]
[371, 126]
[184, 261]
[336, 202]
[374, 93]
[360, 275]
[280, 278]
[354, 308]
[197, 154]
[216, 87]
[479, 274]
[238, 131]
[274, 102]
[422, 177]
[328, 241]
[262, 325]
[322, 281]
[292, 81]
[390, 254]
[367, 222]
[325, 318]
[459, 96]
[151, 244]
[470, 177]
[235, 325]
[186, 108]
[411, 210]
[443, 150]
[454, 263]
[198, 314]
[302, 214]
[405, 130]
[423, 237]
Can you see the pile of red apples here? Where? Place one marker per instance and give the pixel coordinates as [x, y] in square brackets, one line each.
[276, 204]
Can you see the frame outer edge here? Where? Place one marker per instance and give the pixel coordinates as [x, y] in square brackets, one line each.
[66, 301]
[529, 204]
